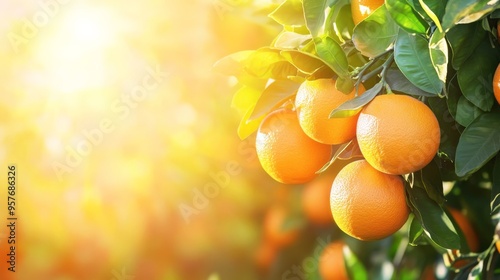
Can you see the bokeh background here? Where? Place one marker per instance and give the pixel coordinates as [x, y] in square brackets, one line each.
[103, 175]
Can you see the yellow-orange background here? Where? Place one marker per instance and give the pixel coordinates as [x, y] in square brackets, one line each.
[115, 213]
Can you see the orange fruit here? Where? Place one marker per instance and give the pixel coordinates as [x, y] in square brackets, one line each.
[397, 134]
[274, 228]
[361, 9]
[314, 102]
[285, 152]
[331, 262]
[496, 84]
[316, 200]
[366, 203]
[467, 229]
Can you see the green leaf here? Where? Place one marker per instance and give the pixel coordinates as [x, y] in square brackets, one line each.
[305, 62]
[448, 127]
[232, 65]
[495, 188]
[436, 224]
[430, 13]
[245, 98]
[415, 233]
[314, 12]
[353, 106]
[268, 63]
[247, 127]
[376, 34]
[479, 143]
[344, 84]
[464, 39]
[413, 58]
[439, 54]
[431, 180]
[355, 267]
[466, 112]
[277, 91]
[343, 22]
[475, 76]
[290, 40]
[331, 53]
[466, 11]
[289, 13]
[436, 6]
[398, 82]
[406, 17]
[351, 151]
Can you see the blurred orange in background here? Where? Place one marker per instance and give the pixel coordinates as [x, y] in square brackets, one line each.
[128, 164]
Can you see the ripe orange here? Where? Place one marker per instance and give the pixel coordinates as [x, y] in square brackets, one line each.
[366, 203]
[316, 200]
[274, 232]
[398, 134]
[314, 102]
[285, 152]
[496, 84]
[265, 255]
[361, 9]
[331, 262]
[467, 229]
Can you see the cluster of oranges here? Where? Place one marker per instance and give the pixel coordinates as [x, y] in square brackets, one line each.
[397, 134]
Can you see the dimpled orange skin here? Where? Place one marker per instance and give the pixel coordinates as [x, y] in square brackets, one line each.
[314, 102]
[285, 152]
[331, 262]
[496, 84]
[361, 9]
[366, 203]
[397, 134]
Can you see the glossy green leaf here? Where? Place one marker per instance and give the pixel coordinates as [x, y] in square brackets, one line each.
[466, 11]
[430, 13]
[448, 127]
[246, 126]
[406, 17]
[479, 143]
[475, 76]
[415, 233]
[331, 53]
[439, 54]
[398, 82]
[290, 40]
[272, 95]
[245, 98]
[355, 267]
[376, 34]
[353, 106]
[305, 62]
[268, 63]
[344, 84]
[314, 12]
[232, 65]
[344, 23]
[464, 39]
[466, 112]
[436, 6]
[431, 180]
[436, 224]
[412, 56]
[289, 13]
